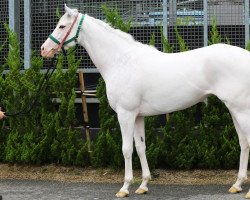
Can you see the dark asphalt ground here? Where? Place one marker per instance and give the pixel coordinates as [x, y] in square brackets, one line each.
[32, 189]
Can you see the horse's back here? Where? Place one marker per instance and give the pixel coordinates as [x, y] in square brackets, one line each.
[161, 83]
[179, 80]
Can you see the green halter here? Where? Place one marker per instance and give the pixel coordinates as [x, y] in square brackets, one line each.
[71, 39]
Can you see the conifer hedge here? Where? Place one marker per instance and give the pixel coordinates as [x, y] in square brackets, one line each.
[47, 133]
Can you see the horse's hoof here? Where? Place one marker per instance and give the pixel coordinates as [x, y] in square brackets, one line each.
[121, 194]
[141, 191]
[234, 190]
[247, 195]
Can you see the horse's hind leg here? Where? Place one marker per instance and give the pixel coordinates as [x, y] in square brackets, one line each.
[241, 122]
[139, 137]
[244, 146]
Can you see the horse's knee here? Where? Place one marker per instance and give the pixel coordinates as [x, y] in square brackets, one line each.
[244, 144]
[244, 148]
[127, 151]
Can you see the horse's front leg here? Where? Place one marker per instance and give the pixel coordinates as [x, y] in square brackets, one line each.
[139, 136]
[127, 122]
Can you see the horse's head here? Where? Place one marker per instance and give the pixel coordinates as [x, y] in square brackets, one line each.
[65, 33]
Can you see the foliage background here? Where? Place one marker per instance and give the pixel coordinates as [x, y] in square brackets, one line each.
[47, 133]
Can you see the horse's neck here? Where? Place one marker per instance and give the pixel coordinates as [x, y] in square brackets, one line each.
[103, 45]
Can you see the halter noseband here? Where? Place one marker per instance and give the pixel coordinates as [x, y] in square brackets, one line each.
[63, 42]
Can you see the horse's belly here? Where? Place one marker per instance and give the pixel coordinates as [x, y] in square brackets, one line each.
[167, 102]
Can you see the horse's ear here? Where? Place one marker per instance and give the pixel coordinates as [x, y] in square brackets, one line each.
[70, 11]
[67, 9]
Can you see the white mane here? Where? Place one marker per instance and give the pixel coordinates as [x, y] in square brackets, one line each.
[117, 32]
[123, 35]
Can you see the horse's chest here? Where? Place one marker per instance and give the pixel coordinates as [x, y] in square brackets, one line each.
[123, 95]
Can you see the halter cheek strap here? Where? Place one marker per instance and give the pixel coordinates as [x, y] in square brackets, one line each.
[63, 42]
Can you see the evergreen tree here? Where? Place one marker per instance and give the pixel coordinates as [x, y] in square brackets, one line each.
[44, 134]
[167, 48]
[182, 44]
[214, 34]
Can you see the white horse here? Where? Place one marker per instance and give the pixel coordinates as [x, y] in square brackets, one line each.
[142, 81]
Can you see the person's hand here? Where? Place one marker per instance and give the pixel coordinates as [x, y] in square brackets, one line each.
[2, 115]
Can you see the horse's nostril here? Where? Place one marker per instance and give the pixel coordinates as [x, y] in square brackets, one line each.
[42, 48]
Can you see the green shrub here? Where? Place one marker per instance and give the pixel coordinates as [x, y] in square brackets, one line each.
[182, 44]
[214, 34]
[167, 48]
[46, 134]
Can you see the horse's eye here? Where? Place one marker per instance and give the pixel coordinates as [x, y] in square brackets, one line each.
[62, 27]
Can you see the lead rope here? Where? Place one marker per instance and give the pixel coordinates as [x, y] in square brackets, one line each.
[43, 84]
[47, 76]
[40, 88]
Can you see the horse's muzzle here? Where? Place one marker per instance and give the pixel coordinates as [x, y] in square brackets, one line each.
[48, 54]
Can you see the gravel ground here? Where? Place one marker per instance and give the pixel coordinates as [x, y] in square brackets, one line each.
[53, 190]
[89, 175]
[57, 182]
